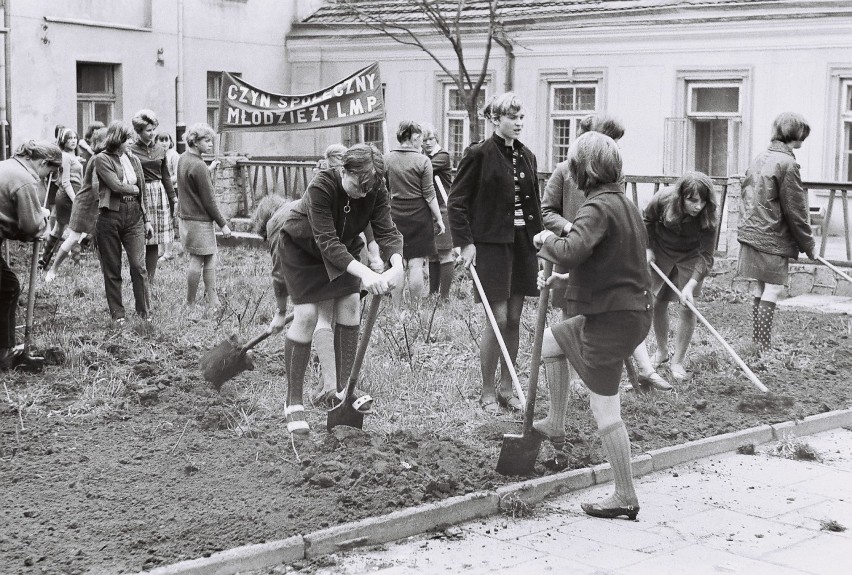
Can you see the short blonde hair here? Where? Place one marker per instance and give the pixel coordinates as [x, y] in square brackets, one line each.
[196, 132]
[594, 160]
[502, 105]
[143, 119]
[428, 131]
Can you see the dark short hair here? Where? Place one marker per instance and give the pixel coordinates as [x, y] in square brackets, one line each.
[167, 137]
[117, 133]
[90, 129]
[790, 127]
[594, 160]
[366, 162]
[603, 123]
[690, 183]
[407, 128]
[33, 150]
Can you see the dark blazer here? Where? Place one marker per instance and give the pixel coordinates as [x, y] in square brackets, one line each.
[605, 251]
[482, 200]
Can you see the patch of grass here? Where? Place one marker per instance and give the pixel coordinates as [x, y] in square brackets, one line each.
[790, 447]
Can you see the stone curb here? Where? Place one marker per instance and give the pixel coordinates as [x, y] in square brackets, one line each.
[239, 559]
[400, 524]
[413, 521]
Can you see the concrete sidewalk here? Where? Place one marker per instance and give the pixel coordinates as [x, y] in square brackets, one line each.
[755, 514]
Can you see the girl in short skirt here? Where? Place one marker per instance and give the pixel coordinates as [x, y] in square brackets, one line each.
[317, 256]
[681, 226]
[198, 211]
[608, 297]
[773, 220]
[495, 212]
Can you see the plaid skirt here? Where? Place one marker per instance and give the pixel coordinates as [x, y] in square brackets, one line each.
[159, 214]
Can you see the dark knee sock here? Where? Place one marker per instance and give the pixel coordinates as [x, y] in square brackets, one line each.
[764, 315]
[446, 281]
[434, 277]
[345, 348]
[151, 256]
[296, 357]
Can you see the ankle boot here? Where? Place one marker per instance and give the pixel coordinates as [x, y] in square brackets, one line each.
[553, 426]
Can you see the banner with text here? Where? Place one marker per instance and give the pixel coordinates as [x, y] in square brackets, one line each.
[353, 100]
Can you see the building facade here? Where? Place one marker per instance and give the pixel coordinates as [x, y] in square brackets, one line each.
[697, 83]
[73, 61]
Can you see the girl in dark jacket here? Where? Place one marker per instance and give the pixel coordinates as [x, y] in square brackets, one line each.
[122, 222]
[773, 220]
[318, 249]
[441, 263]
[495, 212]
[681, 226]
[608, 297]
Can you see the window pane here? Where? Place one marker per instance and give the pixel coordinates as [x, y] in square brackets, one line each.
[455, 100]
[716, 100]
[561, 140]
[83, 117]
[373, 134]
[563, 99]
[849, 97]
[455, 139]
[711, 147]
[213, 118]
[103, 112]
[586, 99]
[349, 135]
[94, 78]
[214, 84]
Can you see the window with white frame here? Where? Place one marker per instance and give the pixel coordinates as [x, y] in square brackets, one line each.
[96, 95]
[846, 116]
[714, 118]
[367, 133]
[457, 122]
[568, 103]
[228, 140]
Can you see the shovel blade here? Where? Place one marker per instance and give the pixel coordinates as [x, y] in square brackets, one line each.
[518, 454]
[223, 362]
[344, 414]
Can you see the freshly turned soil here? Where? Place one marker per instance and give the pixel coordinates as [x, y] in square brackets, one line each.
[168, 478]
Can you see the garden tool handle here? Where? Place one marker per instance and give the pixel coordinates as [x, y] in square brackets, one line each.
[833, 268]
[31, 292]
[372, 313]
[749, 373]
[264, 335]
[538, 340]
[517, 384]
[441, 189]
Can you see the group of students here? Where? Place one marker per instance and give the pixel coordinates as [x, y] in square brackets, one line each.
[119, 187]
[599, 241]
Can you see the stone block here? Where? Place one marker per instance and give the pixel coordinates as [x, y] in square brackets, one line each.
[844, 288]
[824, 277]
[535, 490]
[801, 282]
[400, 524]
[239, 559]
[666, 457]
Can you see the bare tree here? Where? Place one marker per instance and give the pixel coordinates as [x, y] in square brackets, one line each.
[444, 20]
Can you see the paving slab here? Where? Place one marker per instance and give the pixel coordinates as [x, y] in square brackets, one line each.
[818, 303]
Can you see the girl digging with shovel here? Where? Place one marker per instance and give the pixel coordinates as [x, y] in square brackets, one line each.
[608, 296]
[317, 253]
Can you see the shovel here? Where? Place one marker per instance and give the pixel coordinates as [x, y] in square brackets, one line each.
[344, 413]
[229, 359]
[519, 452]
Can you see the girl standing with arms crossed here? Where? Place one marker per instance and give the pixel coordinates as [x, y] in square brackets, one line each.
[317, 257]
[495, 212]
[681, 226]
[774, 220]
[608, 298]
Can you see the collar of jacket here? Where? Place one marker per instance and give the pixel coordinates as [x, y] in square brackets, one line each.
[613, 188]
[28, 168]
[779, 146]
[501, 142]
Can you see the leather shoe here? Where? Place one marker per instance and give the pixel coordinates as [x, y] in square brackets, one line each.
[595, 510]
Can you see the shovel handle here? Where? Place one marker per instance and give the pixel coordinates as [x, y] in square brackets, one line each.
[517, 384]
[535, 360]
[749, 373]
[372, 313]
[441, 189]
[834, 268]
[263, 335]
[31, 293]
